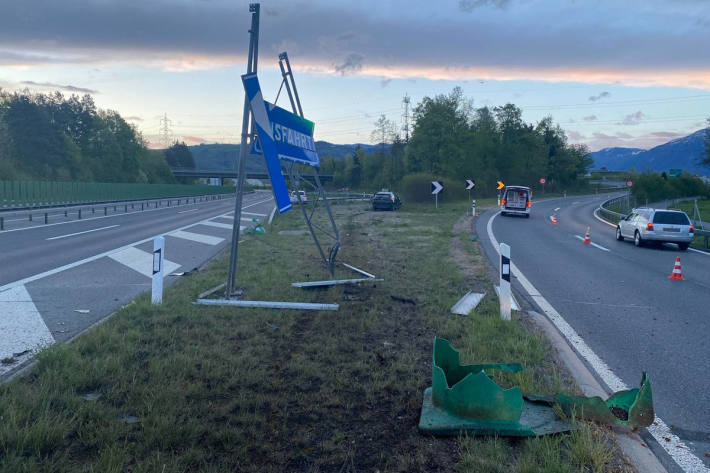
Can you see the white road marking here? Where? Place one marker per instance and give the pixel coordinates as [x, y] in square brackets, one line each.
[108, 216]
[230, 217]
[198, 237]
[141, 261]
[659, 430]
[593, 244]
[601, 219]
[21, 326]
[186, 211]
[101, 255]
[698, 251]
[80, 233]
[252, 213]
[218, 225]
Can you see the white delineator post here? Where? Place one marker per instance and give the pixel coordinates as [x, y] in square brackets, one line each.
[158, 257]
[505, 293]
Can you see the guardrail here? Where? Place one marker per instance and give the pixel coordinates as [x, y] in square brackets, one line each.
[12, 219]
[40, 194]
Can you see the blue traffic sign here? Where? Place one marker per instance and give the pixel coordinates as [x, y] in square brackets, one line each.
[267, 139]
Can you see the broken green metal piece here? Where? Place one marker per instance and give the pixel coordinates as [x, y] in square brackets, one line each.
[257, 228]
[464, 398]
[633, 407]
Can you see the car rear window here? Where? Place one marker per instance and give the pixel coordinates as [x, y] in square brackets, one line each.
[383, 197]
[673, 218]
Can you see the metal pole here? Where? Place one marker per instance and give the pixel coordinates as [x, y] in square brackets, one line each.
[246, 121]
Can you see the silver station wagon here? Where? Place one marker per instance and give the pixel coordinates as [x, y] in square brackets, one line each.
[657, 225]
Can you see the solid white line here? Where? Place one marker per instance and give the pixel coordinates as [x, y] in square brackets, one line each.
[271, 216]
[601, 219]
[101, 255]
[660, 431]
[186, 211]
[81, 233]
[698, 251]
[252, 213]
[198, 237]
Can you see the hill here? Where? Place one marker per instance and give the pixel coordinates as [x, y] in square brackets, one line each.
[218, 157]
[683, 153]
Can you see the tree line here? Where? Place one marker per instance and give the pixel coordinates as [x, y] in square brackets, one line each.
[452, 139]
[58, 138]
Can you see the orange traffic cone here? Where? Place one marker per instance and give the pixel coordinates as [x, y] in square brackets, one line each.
[586, 237]
[554, 220]
[675, 275]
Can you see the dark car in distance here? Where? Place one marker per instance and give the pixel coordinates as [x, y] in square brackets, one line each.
[385, 201]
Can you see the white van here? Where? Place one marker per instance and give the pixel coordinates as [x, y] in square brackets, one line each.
[516, 200]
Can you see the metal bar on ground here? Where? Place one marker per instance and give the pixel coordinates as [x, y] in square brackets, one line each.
[333, 282]
[268, 304]
[357, 270]
[467, 303]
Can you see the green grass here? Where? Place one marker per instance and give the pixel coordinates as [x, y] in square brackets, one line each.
[220, 389]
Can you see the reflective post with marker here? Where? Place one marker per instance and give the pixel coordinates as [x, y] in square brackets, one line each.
[505, 293]
[158, 257]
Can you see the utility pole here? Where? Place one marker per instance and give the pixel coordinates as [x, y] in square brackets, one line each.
[405, 117]
[165, 133]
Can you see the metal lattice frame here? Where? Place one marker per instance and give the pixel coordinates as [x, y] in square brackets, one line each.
[293, 171]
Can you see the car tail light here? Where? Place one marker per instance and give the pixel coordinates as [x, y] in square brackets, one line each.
[502, 202]
[392, 199]
[649, 227]
[529, 204]
[691, 229]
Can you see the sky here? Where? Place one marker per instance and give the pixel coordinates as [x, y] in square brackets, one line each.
[632, 73]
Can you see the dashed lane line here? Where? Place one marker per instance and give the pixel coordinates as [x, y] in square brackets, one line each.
[80, 233]
[593, 244]
[670, 442]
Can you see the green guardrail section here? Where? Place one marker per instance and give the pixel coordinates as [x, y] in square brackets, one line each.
[20, 194]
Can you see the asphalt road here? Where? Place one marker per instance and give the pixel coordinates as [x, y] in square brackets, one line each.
[619, 299]
[57, 280]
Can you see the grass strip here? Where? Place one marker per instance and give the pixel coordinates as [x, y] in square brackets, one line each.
[180, 387]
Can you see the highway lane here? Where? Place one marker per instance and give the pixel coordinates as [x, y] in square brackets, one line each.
[37, 249]
[622, 304]
[57, 280]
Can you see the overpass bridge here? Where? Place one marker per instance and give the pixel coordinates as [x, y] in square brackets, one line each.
[232, 174]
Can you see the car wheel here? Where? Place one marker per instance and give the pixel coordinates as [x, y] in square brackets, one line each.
[619, 236]
[637, 239]
[503, 214]
[527, 215]
[683, 246]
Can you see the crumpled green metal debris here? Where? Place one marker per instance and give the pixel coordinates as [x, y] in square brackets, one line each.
[464, 398]
[257, 228]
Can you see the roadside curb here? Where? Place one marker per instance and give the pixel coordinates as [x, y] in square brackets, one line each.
[631, 443]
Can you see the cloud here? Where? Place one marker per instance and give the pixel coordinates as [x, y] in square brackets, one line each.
[669, 135]
[402, 38]
[133, 118]
[574, 135]
[633, 118]
[67, 88]
[589, 118]
[352, 64]
[602, 95]
[193, 140]
[469, 5]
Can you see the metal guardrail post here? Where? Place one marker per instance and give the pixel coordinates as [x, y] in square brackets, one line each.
[2, 223]
[30, 214]
[45, 218]
[79, 214]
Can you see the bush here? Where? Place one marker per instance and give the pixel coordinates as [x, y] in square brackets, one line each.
[654, 188]
[417, 188]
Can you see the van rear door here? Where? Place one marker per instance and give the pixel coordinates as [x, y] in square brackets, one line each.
[516, 199]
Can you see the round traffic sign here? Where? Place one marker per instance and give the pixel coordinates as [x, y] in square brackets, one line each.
[629, 183]
[542, 180]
